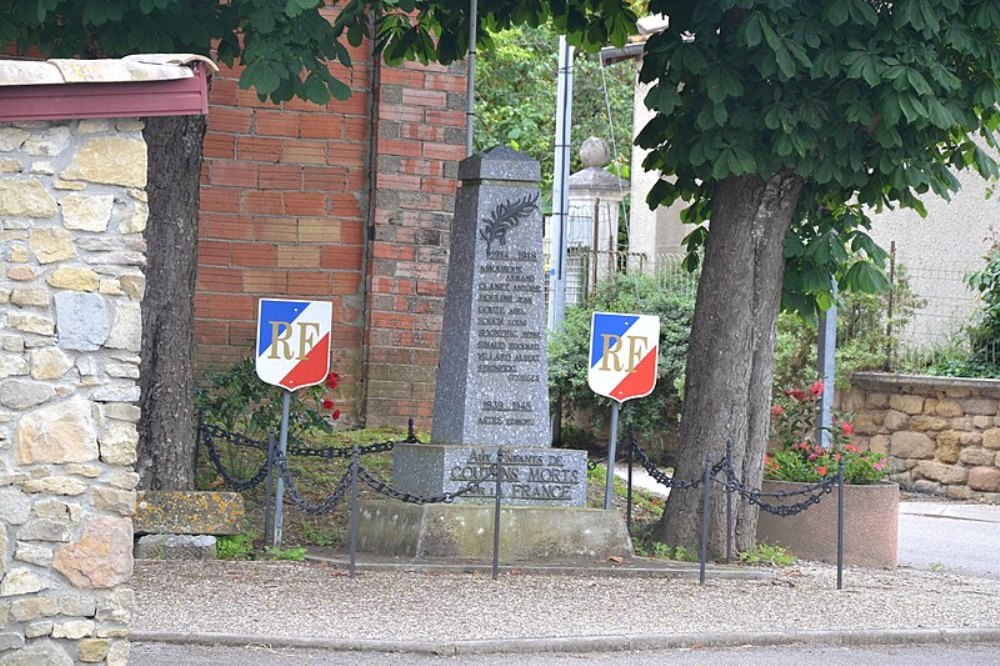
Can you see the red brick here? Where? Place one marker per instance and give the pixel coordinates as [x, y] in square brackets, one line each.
[211, 278]
[265, 281]
[414, 114]
[214, 253]
[444, 151]
[318, 230]
[220, 145]
[305, 203]
[430, 288]
[345, 283]
[228, 119]
[439, 185]
[348, 154]
[422, 167]
[280, 177]
[223, 91]
[219, 200]
[298, 151]
[352, 233]
[298, 256]
[274, 229]
[233, 174]
[211, 332]
[263, 203]
[320, 126]
[258, 149]
[398, 147]
[231, 306]
[421, 97]
[243, 334]
[356, 129]
[340, 258]
[276, 123]
[324, 178]
[309, 283]
[443, 117]
[394, 76]
[345, 205]
[254, 254]
[392, 181]
[229, 227]
[386, 251]
[448, 82]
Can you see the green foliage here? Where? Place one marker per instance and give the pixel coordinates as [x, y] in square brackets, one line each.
[862, 343]
[645, 545]
[666, 295]
[294, 554]
[767, 555]
[984, 333]
[516, 98]
[235, 547]
[236, 400]
[871, 104]
[286, 47]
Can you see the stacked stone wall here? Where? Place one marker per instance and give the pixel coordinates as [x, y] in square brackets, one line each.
[72, 212]
[942, 433]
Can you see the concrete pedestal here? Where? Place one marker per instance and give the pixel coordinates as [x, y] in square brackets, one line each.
[465, 531]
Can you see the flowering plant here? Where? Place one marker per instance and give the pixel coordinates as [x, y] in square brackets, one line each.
[800, 458]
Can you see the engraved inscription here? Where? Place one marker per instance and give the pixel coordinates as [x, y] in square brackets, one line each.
[524, 476]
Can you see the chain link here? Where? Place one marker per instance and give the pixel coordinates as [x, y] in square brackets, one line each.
[230, 480]
[331, 452]
[323, 506]
[814, 493]
[655, 472]
[382, 488]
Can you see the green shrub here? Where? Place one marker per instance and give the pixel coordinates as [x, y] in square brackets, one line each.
[236, 400]
[668, 295]
[234, 547]
[862, 323]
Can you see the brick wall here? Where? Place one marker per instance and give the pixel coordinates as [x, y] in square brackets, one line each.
[421, 138]
[286, 213]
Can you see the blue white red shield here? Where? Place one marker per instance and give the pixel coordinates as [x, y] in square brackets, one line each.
[293, 342]
[624, 349]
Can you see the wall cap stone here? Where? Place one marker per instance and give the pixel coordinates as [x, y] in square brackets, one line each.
[902, 383]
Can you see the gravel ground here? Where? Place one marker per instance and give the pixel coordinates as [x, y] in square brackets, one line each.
[312, 600]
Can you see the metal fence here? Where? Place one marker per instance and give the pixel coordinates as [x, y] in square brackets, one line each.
[714, 473]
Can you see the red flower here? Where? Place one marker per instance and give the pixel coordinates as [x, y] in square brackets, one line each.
[816, 388]
[777, 411]
[328, 404]
[836, 456]
[813, 456]
[821, 470]
[332, 380]
[846, 428]
[335, 415]
[798, 395]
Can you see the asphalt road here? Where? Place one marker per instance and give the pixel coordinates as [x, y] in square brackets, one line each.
[950, 537]
[155, 654]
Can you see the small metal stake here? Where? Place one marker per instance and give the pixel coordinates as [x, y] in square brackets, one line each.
[612, 445]
[269, 488]
[496, 515]
[279, 493]
[353, 527]
[706, 494]
[840, 526]
[729, 504]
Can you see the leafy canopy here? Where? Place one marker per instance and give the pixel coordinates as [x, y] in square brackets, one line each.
[871, 102]
[286, 46]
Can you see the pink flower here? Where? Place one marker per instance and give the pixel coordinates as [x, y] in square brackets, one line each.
[816, 388]
[777, 411]
[847, 428]
[812, 457]
[879, 466]
[798, 395]
[328, 404]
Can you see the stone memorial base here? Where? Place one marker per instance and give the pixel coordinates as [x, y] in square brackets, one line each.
[465, 531]
[536, 476]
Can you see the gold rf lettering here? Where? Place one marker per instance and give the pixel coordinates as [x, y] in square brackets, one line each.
[281, 339]
[638, 345]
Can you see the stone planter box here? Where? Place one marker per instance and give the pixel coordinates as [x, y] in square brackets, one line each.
[870, 525]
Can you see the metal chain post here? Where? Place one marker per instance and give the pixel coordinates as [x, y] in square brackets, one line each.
[496, 514]
[354, 511]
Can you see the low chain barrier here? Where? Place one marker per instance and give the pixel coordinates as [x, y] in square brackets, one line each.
[383, 488]
[209, 435]
[323, 506]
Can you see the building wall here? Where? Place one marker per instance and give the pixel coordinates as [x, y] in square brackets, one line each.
[73, 207]
[287, 211]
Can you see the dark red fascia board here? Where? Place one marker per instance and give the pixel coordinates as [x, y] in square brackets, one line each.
[175, 97]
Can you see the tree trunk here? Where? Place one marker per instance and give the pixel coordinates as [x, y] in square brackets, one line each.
[727, 388]
[167, 425]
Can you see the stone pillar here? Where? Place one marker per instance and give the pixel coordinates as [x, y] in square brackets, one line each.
[73, 208]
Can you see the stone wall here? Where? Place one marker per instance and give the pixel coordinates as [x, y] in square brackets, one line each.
[72, 209]
[942, 433]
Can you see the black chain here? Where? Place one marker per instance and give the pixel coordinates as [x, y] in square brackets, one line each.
[331, 452]
[383, 488]
[208, 435]
[323, 506]
[813, 493]
[655, 472]
[592, 464]
[209, 431]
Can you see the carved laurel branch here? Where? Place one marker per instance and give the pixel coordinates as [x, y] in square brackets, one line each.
[505, 217]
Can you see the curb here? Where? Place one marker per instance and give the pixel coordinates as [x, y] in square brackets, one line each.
[611, 643]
